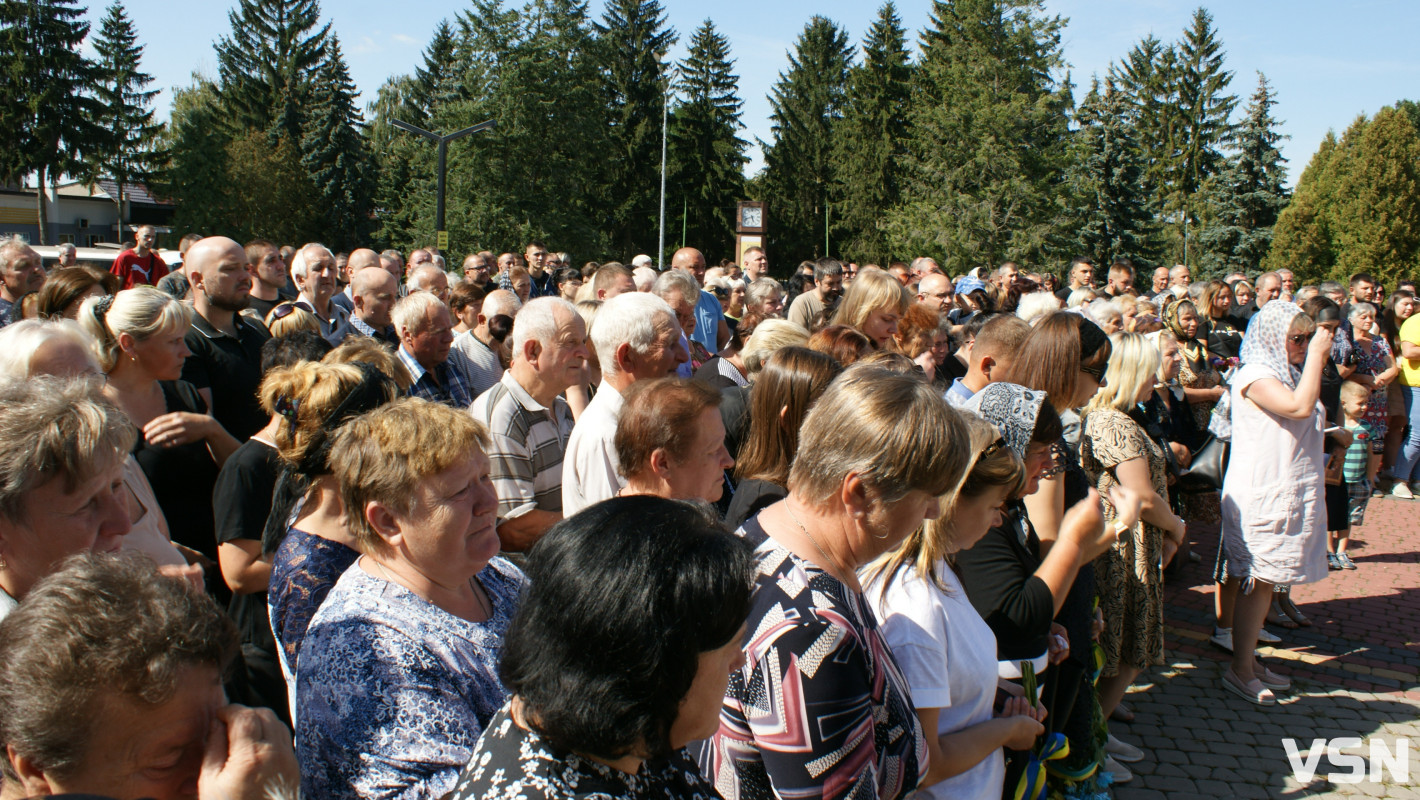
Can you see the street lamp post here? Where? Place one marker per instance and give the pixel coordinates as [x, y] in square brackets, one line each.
[665, 115]
[441, 236]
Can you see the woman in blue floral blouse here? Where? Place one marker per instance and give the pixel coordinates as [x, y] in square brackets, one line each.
[397, 675]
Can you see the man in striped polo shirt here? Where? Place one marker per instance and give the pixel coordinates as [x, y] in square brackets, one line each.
[529, 423]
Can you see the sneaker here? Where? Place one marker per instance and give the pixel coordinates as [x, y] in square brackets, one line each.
[1222, 639]
[1333, 561]
[1345, 561]
[1402, 491]
[1122, 750]
[1117, 771]
[1265, 636]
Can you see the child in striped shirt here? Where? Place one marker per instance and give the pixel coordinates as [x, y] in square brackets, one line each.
[1354, 400]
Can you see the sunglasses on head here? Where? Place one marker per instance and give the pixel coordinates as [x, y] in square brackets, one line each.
[283, 311]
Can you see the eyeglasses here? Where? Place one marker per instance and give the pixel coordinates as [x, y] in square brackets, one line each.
[282, 311]
[1299, 338]
[993, 449]
[1095, 372]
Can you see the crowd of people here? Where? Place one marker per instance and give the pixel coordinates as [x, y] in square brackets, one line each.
[363, 525]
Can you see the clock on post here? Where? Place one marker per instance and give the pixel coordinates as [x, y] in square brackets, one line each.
[750, 225]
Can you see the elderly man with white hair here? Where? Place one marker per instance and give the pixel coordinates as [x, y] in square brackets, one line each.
[20, 273]
[429, 278]
[528, 421]
[644, 278]
[313, 270]
[478, 345]
[637, 338]
[426, 337]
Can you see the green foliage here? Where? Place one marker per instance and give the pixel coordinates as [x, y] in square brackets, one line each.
[435, 81]
[630, 49]
[1104, 184]
[706, 154]
[196, 179]
[807, 103]
[125, 151]
[271, 195]
[990, 124]
[1247, 195]
[334, 156]
[871, 142]
[267, 63]
[1357, 205]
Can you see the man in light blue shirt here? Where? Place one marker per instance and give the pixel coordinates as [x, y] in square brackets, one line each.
[711, 331]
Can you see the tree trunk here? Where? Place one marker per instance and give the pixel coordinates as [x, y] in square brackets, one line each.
[39, 195]
[119, 182]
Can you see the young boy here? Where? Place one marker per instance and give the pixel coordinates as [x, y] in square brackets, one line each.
[1354, 399]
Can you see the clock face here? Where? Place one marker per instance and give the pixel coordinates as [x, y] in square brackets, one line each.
[751, 217]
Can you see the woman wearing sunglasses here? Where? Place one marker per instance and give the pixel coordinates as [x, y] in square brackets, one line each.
[1274, 525]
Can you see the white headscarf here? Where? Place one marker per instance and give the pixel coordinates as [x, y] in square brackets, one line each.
[1265, 344]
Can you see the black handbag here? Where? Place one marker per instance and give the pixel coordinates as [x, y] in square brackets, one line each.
[1205, 472]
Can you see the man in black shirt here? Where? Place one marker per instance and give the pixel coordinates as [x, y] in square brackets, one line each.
[1082, 276]
[225, 364]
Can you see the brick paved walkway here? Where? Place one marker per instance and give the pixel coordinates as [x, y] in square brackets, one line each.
[1355, 672]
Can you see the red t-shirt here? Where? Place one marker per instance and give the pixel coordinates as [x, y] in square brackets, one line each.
[135, 270]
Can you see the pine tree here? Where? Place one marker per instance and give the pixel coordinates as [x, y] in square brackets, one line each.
[1247, 196]
[334, 155]
[196, 176]
[807, 103]
[266, 65]
[433, 83]
[631, 45]
[1104, 183]
[706, 154]
[990, 123]
[46, 84]
[870, 147]
[1146, 79]
[1204, 108]
[127, 154]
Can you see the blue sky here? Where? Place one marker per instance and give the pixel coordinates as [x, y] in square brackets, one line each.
[1327, 62]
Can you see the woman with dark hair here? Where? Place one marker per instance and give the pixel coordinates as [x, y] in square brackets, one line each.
[568, 281]
[662, 588]
[1222, 328]
[66, 289]
[790, 382]
[670, 441]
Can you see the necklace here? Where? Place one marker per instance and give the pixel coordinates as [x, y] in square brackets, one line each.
[828, 562]
[483, 605]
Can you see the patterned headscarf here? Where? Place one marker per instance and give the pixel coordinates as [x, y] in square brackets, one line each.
[1012, 408]
[1265, 344]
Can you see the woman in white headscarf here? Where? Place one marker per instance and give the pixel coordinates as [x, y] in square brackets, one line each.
[1274, 525]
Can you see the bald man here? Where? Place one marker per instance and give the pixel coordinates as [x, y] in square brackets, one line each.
[363, 258]
[711, 330]
[375, 291]
[485, 365]
[429, 278]
[225, 364]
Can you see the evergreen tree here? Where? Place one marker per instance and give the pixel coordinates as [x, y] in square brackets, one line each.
[334, 155]
[1104, 183]
[1249, 193]
[285, 207]
[196, 177]
[990, 123]
[126, 153]
[1146, 79]
[393, 153]
[807, 103]
[46, 85]
[1203, 108]
[433, 82]
[632, 40]
[706, 154]
[266, 65]
[870, 146]
[1301, 239]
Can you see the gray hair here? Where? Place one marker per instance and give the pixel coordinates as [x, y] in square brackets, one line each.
[1037, 305]
[501, 301]
[644, 278]
[1357, 309]
[677, 280]
[768, 337]
[55, 428]
[66, 247]
[1331, 287]
[12, 249]
[298, 261]
[1101, 310]
[416, 278]
[411, 315]
[759, 290]
[19, 343]
[629, 318]
[537, 321]
[140, 312]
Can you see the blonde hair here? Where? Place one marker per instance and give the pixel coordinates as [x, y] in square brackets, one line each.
[929, 546]
[297, 319]
[367, 350]
[141, 312]
[1354, 390]
[769, 336]
[383, 455]
[872, 290]
[893, 430]
[306, 394]
[1133, 364]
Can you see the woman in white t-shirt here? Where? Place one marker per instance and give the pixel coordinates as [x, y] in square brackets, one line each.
[943, 646]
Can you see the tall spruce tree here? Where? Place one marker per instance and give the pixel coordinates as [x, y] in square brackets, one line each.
[1204, 108]
[266, 65]
[1104, 183]
[870, 147]
[1301, 240]
[334, 154]
[632, 40]
[807, 103]
[1146, 79]
[990, 124]
[1249, 193]
[46, 89]
[706, 153]
[127, 152]
[434, 83]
